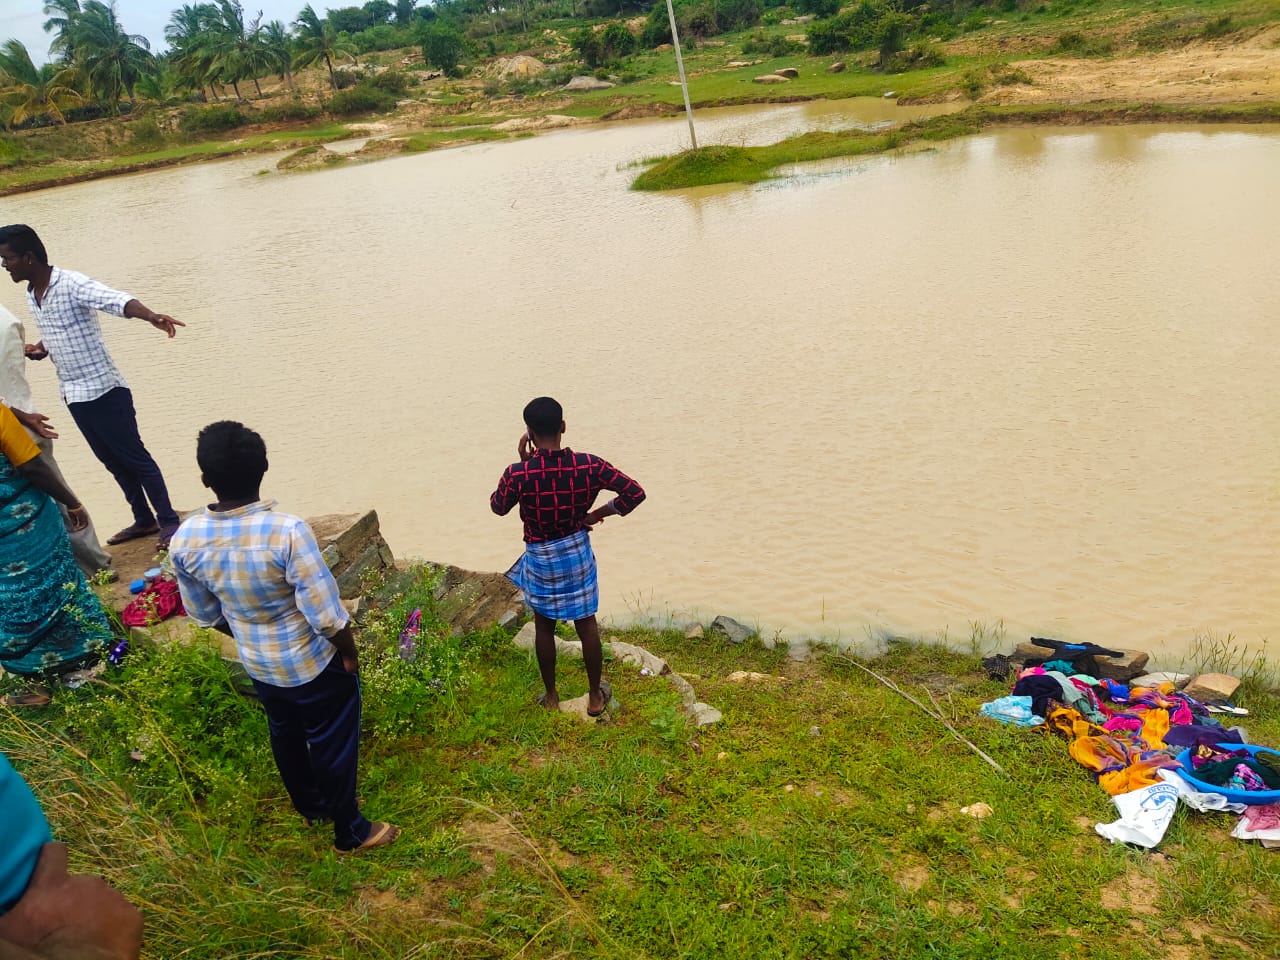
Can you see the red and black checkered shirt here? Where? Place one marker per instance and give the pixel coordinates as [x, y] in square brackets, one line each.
[555, 490]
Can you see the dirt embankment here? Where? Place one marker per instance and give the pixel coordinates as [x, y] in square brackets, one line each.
[1208, 72]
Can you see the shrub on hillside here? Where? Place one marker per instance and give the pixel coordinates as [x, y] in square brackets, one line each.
[819, 8]
[289, 111]
[442, 46]
[776, 45]
[145, 134]
[392, 81]
[361, 98]
[214, 119]
[921, 55]
[859, 28]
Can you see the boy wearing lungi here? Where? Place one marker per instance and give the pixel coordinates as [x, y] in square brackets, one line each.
[555, 488]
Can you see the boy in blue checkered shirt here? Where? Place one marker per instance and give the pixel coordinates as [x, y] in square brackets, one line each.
[258, 576]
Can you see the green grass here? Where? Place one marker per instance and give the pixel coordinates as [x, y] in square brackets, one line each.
[820, 818]
[453, 136]
[719, 164]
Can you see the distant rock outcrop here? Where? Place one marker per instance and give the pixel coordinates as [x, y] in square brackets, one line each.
[587, 83]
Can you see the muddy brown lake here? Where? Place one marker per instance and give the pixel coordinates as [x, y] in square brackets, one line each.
[1026, 380]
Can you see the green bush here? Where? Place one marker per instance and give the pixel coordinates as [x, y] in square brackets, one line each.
[361, 98]
[145, 134]
[1218, 27]
[859, 28]
[289, 111]
[392, 81]
[213, 119]
[1073, 44]
[442, 46]
[921, 55]
[174, 725]
[770, 45]
[819, 8]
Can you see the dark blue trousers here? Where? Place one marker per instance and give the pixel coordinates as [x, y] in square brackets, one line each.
[315, 737]
[110, 424]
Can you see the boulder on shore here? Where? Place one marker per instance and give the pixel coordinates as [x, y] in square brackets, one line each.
[587, 83]
[770, 78]
[730, 629]
[789, 72]
[837, 67]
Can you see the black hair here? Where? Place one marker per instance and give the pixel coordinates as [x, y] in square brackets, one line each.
[22, 240]
[543, 417]
[232, 458]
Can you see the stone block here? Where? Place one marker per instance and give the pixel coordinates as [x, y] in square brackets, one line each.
[1179, 680]
[1033, 651]
[1208, 687]
[352, 546]
[1122, 669]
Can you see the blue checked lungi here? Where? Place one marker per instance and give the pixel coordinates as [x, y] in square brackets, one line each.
[558, 577]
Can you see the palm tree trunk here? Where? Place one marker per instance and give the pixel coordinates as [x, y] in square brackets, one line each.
[288, 75]
[333, 81]
[259, 87]
[235, 85]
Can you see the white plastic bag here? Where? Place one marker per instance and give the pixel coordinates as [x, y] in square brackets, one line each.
[1193, 798]
[1144, 815]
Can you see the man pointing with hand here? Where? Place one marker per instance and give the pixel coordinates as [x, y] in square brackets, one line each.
[65, 307]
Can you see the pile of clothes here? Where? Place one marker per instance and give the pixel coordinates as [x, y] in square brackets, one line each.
[1126, 735]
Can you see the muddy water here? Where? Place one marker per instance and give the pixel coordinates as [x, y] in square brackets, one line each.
[1027, 378]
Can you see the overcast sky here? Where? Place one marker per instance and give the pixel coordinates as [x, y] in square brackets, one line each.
[23, 19]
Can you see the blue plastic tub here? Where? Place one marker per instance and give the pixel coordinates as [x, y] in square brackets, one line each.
[1237, 796]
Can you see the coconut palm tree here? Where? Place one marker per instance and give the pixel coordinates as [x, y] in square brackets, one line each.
[238, 48]
[275, 36]
[317, 40]
[110, 60]
[29, 91]
[61, 14]
[186, 32]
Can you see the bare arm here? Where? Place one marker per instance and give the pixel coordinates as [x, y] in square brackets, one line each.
[136, 309]
[42, 477]
[345, 641]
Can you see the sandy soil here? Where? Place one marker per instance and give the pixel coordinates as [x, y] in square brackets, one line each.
[1199, 73]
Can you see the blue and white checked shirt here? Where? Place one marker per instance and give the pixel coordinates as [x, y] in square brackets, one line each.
[71, 332]
[262, 572]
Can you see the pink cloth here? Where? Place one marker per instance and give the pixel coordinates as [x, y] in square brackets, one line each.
[1263, 816]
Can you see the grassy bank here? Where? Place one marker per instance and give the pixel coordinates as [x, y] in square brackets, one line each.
[820, 818]
[1193, 52]
[723, 164]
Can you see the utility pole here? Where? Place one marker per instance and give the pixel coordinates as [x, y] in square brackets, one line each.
[684, 82]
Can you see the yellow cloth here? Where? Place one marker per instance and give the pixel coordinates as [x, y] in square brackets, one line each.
[15, 443]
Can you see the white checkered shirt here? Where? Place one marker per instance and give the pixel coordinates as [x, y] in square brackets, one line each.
[261, 572]
[71, 332]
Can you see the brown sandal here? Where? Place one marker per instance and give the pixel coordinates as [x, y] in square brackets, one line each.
[379, 836]
[132, 532]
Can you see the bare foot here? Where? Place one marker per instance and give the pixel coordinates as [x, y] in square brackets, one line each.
[550, 700]
[595, 702]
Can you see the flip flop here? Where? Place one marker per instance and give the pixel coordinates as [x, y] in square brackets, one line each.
[379, 836]
[35, 697]
[166, 534]
[606, 693]
[132, 532]
[1222, 706]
